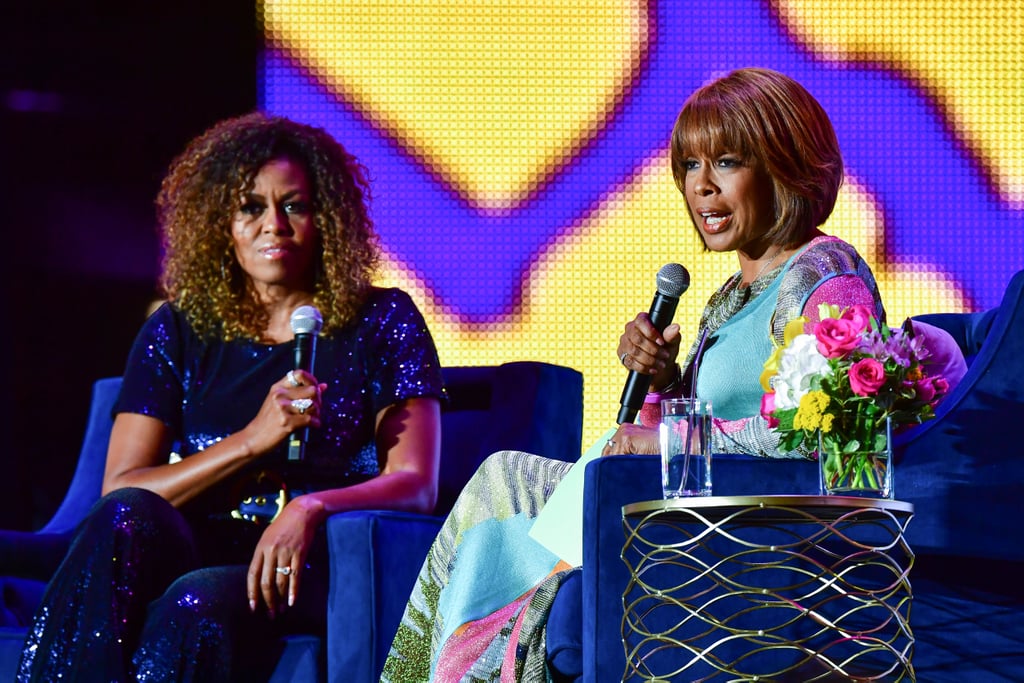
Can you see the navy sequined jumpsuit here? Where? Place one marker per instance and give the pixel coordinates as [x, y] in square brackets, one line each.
[150, 592]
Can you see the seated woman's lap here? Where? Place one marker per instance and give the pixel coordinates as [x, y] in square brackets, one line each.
[186, 614]
[202, 626]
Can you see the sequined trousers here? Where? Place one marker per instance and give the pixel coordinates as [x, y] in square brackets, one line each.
[143, 595]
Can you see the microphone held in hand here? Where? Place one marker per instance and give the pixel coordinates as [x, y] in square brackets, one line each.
[306, 322]
[672, 280]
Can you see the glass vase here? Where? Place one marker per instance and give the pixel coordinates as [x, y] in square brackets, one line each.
[857, 473]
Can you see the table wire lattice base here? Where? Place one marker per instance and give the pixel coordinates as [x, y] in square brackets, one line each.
[767, 593]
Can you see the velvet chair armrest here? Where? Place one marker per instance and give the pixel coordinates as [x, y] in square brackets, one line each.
[375, 556]
[608, 484]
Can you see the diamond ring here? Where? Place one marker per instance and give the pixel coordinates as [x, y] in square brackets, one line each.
[284, 570]
[302, 404]
[292, 379]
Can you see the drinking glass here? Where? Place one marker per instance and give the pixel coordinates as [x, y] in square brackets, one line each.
[685, 438]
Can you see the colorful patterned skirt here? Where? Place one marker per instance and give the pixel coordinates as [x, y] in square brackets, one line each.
[480, 604]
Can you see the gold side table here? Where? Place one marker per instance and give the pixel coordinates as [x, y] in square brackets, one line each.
[767, 588]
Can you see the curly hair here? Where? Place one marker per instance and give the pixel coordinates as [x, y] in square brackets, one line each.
[204, 188]
[770, 118]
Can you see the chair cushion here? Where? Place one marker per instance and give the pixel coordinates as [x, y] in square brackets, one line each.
[300, 661]
[968, 330]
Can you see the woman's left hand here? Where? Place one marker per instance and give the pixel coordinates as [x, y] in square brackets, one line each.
[275, 573]
[634, 439]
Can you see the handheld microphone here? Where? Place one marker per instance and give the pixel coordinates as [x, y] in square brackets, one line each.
[672, 280]
[306, 322]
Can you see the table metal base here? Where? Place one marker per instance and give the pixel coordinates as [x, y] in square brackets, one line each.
[767, 588]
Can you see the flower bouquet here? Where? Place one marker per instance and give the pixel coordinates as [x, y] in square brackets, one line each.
[842, 389]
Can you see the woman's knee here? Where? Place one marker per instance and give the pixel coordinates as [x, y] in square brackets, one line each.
[216, 593]
[499, 462]
[140, 518]
[138, 508]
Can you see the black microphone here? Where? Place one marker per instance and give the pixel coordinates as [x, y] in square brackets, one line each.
[306, 322]
[673, 280]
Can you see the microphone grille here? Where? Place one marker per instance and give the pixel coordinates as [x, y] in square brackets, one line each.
[673, 280]
[306, 320]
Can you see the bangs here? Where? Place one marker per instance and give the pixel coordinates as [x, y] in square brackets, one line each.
[707, 128]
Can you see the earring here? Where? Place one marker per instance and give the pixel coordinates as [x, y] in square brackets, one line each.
[225, 275]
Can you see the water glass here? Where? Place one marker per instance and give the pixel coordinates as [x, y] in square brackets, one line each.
[685, 436]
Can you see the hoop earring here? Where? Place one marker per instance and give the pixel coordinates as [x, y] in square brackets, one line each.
[225, 270]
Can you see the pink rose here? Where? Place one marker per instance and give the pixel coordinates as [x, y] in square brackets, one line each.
[925, 390]
[768, 407]
[861, 315]
[866, 376]
[837, 337]
[941, 386]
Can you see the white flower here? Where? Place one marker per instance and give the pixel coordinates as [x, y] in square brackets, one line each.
[799, 364]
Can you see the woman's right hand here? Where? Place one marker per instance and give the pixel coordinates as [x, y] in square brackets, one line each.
[644, 350]
[291, 404]
[139, 444]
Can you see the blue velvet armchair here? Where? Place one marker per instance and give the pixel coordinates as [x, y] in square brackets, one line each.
[963, 471]
[375, 555]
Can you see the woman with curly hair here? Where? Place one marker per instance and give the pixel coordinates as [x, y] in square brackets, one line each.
[207, 545]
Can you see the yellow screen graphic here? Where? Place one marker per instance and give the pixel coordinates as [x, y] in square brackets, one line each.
[508, 111]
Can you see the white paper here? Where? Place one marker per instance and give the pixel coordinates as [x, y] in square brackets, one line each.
[559, 526]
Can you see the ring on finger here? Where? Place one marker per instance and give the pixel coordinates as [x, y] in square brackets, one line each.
[292, 379]
[302, 404]
[622, 358]
[284, 570]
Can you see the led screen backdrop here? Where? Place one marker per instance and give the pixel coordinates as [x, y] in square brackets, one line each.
[518, 151]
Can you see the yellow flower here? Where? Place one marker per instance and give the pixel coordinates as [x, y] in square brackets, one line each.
[809, 416]
[794, 328]
[771, 368]
[826, 422]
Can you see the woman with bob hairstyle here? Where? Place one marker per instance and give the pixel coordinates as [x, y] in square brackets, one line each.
[207, 545]
[758, 162]
[759, 167]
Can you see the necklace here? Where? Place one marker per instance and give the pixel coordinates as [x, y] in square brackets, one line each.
[745, 291]
[767, 265]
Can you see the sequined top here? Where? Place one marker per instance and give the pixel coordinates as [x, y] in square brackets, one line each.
[204, 389]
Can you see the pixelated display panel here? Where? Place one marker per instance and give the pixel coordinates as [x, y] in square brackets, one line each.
[519, 152]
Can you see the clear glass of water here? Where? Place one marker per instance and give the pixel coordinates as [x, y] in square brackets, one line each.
[685, 439]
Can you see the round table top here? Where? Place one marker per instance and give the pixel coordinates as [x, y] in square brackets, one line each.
[829, 507]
